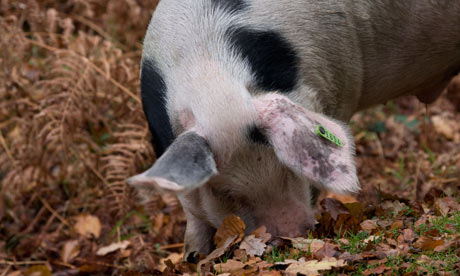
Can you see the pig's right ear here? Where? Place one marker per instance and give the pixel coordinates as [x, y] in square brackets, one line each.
[311, 144]
[188, 163]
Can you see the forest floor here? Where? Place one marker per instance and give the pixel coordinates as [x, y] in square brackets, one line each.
[72, 130]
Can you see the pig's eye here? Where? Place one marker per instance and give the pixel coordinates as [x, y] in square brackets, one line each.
[256, 135]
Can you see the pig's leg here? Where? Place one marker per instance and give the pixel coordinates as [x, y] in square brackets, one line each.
[198, 238]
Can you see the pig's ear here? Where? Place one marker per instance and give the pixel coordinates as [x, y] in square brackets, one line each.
[186, 164]
[312, 145]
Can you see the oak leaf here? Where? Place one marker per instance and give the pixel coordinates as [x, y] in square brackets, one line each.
[312, 268]
[69, 251]
[231, 226]
[87, 225]
[253, 246]
[427, 243]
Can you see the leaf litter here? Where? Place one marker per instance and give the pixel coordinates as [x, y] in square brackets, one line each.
[67, 145]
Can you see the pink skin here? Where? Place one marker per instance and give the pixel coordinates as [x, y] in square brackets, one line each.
[291, 130]
[264, 185]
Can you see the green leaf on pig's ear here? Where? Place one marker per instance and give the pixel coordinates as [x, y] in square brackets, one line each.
[188, 163]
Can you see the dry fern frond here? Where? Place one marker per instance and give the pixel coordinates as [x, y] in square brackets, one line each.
[129, 151]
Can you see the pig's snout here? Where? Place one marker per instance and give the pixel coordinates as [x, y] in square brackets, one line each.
[290, 220]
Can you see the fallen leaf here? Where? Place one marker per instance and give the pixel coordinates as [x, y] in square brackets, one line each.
[312, 268]
[376, 270]
[307, 245]
[219, 251]
[231, 226]
[350, 258]
[342, 198]
[368, 225]
[444, 126]
[289, 261]
[253, 246]
[454, 243]
[69, 251]
[113, 247]
[262, 234]
[87, 225]
[174, 258]
[327, 251]
[229, 267]
[426, 243]
[371, 238]
[38, 270]
[398, 224]
[442, 206]
[408, 235]
[344, 241]
[333, 207]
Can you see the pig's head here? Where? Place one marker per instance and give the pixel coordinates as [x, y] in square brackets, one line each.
[268, 179]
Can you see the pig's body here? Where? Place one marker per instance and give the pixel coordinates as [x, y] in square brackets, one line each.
[250, 80]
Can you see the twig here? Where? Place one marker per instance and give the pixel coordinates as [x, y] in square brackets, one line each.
[34, 221]
[99, 175]
[172, 246]
[13, 263]
[93, 26]
[5, 146]
[417, 173]
[92, 65]
[6, 270]
[53, 211]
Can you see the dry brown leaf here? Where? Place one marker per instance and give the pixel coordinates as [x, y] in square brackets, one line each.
[427, 243]
[307, 245]
[231, 226]
[229, 267]
[219, 251]
[342, 198]
[368, 225]
[454, 243]
[87, 225]
[409, 235]
[112, 248]
[327, 251]
[444, 126]
[333, 207]
[69, 251]
[253, 246]
[312, 268]
[376, 270]
[397, 224]
[38, 270]
[174, 258]
[442, 206]
[262, 234]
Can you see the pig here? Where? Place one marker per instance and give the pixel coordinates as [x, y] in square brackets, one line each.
[238, 95]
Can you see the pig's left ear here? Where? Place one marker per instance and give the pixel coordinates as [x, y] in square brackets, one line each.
[187, 164]
[311, 144]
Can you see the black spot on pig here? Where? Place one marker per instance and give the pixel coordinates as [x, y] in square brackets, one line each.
[257, 136]
[230, 6]
[153, 93]
[273, 60]
[343, 168]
